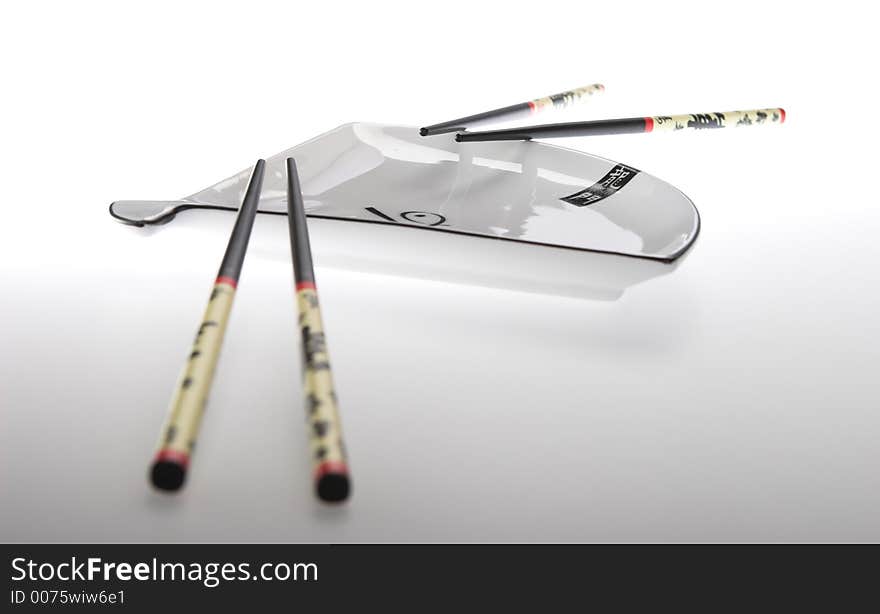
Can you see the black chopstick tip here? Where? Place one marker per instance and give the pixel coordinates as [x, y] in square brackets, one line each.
[167, 476]
[333, 487]
[259, 167]
[471, 137]
[424, 131]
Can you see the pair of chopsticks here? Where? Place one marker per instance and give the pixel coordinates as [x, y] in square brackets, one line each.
[330, 467]
[694, 121]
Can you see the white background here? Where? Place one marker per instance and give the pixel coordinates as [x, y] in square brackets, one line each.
[734, 400]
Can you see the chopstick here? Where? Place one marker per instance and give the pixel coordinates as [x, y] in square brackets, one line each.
[169, 468]
[656, 123]
[329, 464]
[523, 109]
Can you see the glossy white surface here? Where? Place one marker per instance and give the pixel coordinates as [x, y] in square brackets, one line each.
[734, 399]
[512, 191]
[490, 214]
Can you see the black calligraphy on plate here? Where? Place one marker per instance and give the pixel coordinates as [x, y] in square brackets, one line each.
[607, 186]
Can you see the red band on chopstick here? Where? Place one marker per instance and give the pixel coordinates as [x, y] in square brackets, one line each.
[649, 124]
[226, 280]
[532, 107]
[172, 456]
[328, 467]
[782, 116]
[305, 285]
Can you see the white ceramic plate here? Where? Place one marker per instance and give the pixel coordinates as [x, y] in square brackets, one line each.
[532, 196]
